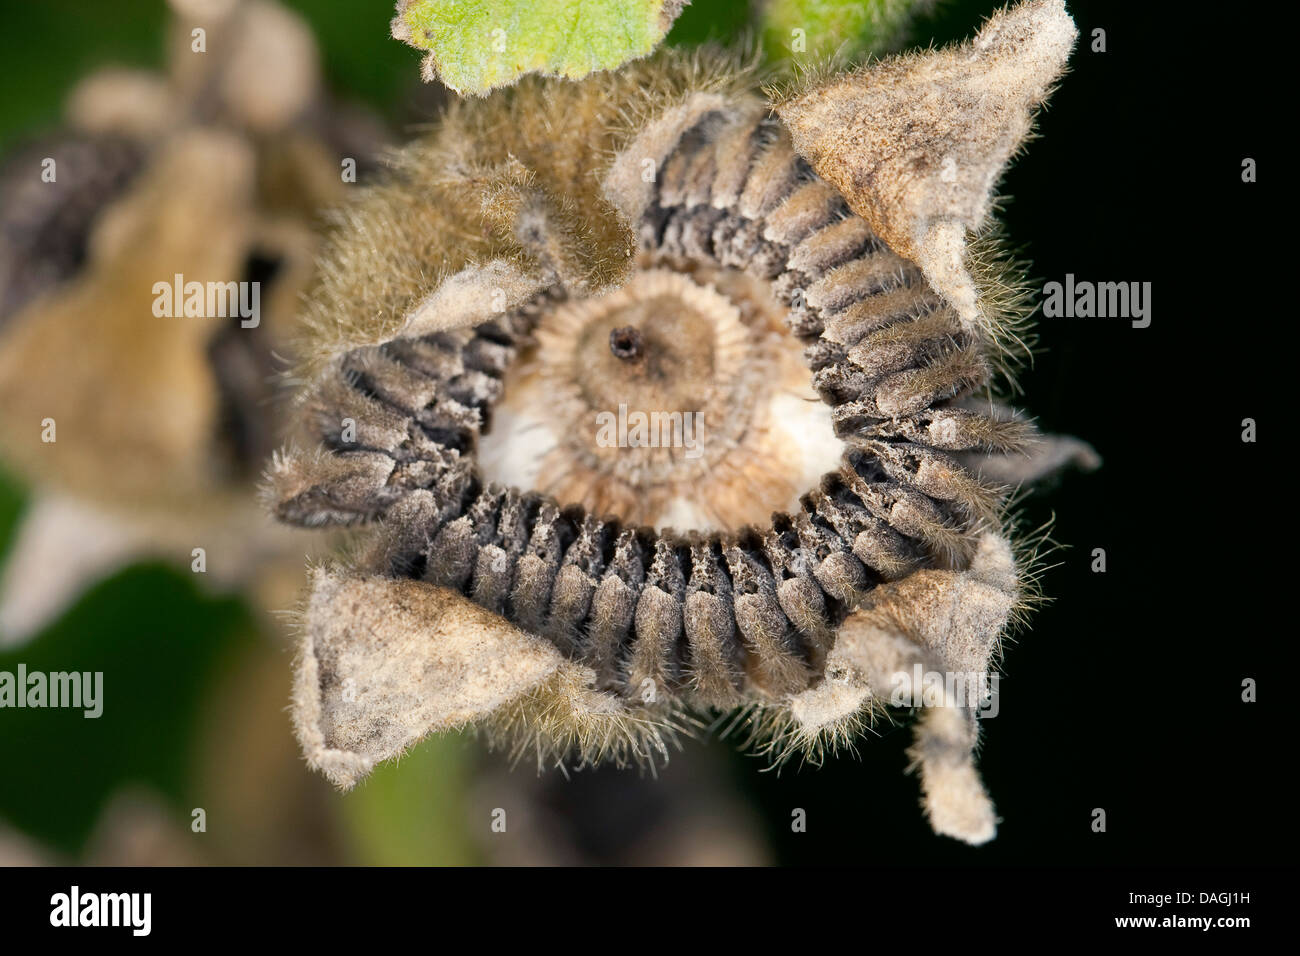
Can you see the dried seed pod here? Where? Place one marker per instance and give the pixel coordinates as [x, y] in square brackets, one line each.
[610, 260]
[45, 226]
[208, 176]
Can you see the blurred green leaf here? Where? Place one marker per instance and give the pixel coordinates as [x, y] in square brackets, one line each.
[359, 55]
[13, 499]
[411, 812]
[158, 642]
[716, 21]
[812, 30]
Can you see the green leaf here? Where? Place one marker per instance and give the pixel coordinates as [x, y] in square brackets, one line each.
[478, 45]
[809, 31]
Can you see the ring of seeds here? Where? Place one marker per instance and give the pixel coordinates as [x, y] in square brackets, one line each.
[705, 613]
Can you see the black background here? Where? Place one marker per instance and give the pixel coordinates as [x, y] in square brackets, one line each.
[1125, 692]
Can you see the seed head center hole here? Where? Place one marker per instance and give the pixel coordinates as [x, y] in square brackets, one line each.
[626, 343]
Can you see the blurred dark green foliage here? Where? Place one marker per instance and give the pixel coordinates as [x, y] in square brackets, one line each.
[158, 641]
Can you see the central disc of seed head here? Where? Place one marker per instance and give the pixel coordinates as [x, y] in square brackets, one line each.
[665, 401]
[625, 343]
[656, 354]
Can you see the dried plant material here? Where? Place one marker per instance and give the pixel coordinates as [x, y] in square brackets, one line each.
[691, 261]
[69, 359]
[408, 658]
[1034, 457]
[755, 438]
[1045, 455]
[930, 623]
[630, 181]
[273, 75]
[454, 206]
[477, 47]
[472, 297]
[816, 30]
[207, 177]
[916, 143]
[45, 227]
[137, 104]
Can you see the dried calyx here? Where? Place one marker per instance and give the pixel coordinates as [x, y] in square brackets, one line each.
[732, 277]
